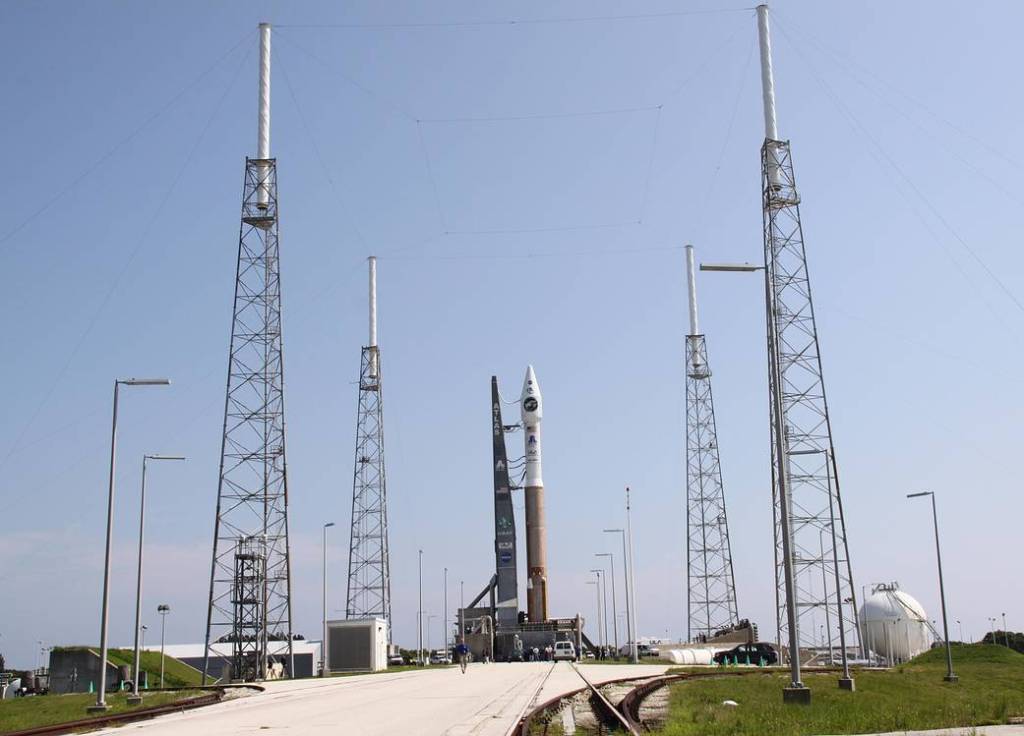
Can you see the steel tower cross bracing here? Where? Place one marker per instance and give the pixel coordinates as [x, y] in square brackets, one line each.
[250, 577]
[369, 573]
[711, 587]
[822, 577]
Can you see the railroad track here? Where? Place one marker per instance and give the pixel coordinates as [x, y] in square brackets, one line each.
[625, 716]
[215, 695]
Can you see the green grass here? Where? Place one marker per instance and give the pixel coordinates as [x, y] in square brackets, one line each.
[44, 710]
[176, 674]
[913, 696]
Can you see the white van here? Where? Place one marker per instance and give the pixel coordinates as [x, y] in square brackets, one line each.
[564, 650]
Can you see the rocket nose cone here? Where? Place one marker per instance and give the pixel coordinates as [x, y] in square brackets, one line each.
[530, 399]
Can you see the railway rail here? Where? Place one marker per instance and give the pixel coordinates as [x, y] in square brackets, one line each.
[215, 695]
[626, 714]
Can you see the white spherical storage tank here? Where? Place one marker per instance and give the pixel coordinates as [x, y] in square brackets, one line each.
[894, 625]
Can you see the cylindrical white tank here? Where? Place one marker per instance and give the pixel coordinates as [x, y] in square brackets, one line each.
[690, 656]
[894, 625]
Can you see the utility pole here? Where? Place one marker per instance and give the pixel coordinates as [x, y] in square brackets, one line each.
[163, 609]
[136, 698]
[419, 613]
[602, 579]
[615, 606]
[632, 588]
[950, 677]
[101, 694]
[323, 643]
[625, 587]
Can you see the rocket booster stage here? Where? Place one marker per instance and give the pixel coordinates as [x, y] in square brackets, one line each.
[531, 407]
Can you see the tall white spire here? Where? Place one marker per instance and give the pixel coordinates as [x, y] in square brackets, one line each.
[263, 122]
[771, 130]
[691, 282]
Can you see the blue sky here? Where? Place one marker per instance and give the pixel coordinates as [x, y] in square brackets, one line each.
[528, 188]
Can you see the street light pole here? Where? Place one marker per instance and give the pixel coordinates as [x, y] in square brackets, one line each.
[429, 617]
[446, 611]
[602, 579]
[1006, 633]
[625, 582]
[419, 613]
[950, 677]
[135, 698]
[597, 590]
[163, 609]
[634, 657]
[323, 636]
[615, 607]
[101, 692]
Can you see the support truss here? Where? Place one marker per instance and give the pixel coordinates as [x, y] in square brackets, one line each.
[711, 587]
[825, 598]
[369, 575]
[250, 578]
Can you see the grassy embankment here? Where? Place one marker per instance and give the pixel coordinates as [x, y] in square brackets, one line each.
[176, 674]
[43, 710]
[912, 696]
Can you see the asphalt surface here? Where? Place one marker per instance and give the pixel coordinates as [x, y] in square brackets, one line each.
[486, 701]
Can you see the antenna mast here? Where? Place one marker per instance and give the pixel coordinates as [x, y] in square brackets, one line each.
[711, 586]
[250, 578]
[369, 572]
[812, 561]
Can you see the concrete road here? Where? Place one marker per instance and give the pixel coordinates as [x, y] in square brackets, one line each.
[486, 701]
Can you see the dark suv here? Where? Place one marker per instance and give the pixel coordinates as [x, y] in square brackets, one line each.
[759, 653]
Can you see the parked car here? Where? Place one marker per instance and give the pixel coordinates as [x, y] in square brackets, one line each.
[440, 656]
[564, 651]
[749, 654]
[396, 660]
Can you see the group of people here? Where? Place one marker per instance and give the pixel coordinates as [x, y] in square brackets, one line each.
[536, 654]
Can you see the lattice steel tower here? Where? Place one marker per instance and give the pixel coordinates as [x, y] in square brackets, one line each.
[369, 573]
[805, 487]
[250, 581]
[711, 586]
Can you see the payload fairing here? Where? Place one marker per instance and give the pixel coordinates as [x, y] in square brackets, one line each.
[531, 408]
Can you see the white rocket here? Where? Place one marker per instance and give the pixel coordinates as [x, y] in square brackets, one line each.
[531, 406]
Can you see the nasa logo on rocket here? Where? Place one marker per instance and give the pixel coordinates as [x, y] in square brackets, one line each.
[531, 411]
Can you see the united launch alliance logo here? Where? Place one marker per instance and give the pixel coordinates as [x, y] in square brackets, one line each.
[530, 403]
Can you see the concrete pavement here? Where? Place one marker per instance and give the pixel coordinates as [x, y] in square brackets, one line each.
[486, 701]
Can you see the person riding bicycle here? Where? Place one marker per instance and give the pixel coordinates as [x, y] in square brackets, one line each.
[462, 652]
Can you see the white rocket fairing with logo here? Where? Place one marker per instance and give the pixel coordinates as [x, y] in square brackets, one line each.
[531, 408]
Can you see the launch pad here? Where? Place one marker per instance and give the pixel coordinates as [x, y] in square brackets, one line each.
[492, 625]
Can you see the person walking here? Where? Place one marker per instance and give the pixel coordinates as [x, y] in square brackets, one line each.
[462, 652]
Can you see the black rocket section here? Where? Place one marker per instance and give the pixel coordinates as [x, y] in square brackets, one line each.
[504, 520]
